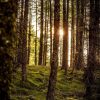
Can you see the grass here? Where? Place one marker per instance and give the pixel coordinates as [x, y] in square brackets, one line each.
[68, 87]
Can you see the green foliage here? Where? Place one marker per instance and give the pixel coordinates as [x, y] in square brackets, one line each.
[68, 87]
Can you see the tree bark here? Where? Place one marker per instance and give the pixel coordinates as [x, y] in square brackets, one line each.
[36, 35]
[20, 35]
[50, 31]
[41, 37]
[54, 63]
[79, 35]
[29, 38]
[65, 35]
[45, 35]
[72, 35]
[24, 42]
[91, 65]
[7, 46]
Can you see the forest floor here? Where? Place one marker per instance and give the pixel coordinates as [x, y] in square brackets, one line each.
[69, 87]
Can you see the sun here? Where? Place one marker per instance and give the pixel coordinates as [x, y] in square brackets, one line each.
[61, 32]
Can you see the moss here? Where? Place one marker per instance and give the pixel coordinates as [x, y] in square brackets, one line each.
[68, 87]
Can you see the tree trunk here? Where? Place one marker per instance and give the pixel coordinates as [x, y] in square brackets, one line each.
[29, 38]
[79, 35]
[50, 31]
[41, 37]
[7, 46]
[45, 35]
[89, 73]
[65, 35]
[36, 36]
[72, 36]
[24, 41]
[72, 56]
[20, 35]
[54, 63]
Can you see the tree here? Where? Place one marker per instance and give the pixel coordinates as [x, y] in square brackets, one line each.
[41, 37]
[72, 56]
[79, 34]
[50, 31]
[7, 45]
[97, 37]
[24, 41]
[97, 40]
[91, 65]
[54, 63]
[36, 34]
[46, 33]
[20, 36]
[65, 36]
[29, 37]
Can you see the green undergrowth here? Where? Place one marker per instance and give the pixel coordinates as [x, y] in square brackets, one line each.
[68, 87]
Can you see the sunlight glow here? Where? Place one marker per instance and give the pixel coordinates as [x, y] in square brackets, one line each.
[61, 32]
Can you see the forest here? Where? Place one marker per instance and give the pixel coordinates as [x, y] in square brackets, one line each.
[49, 49]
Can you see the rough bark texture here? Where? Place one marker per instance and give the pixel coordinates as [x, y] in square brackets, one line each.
[54, 63]
[20, 36]
[24, 41]
[45, 35]
[72, 56]
[29, 38]
[79, 35]
[7, 46]
[65, 36]
[93, 33]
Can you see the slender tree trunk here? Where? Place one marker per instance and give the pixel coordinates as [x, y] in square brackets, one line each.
[36, 37]
[7, 45]
[77, 31]
[79, 35]
[24, 41]
[54, 63]
[41, 37]
[97, 40]
[97, 27]
[72, 35]
[65, 36]
[45, 35]
[81, 32]
[29, 38]
[50, 31]
[20, 36]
